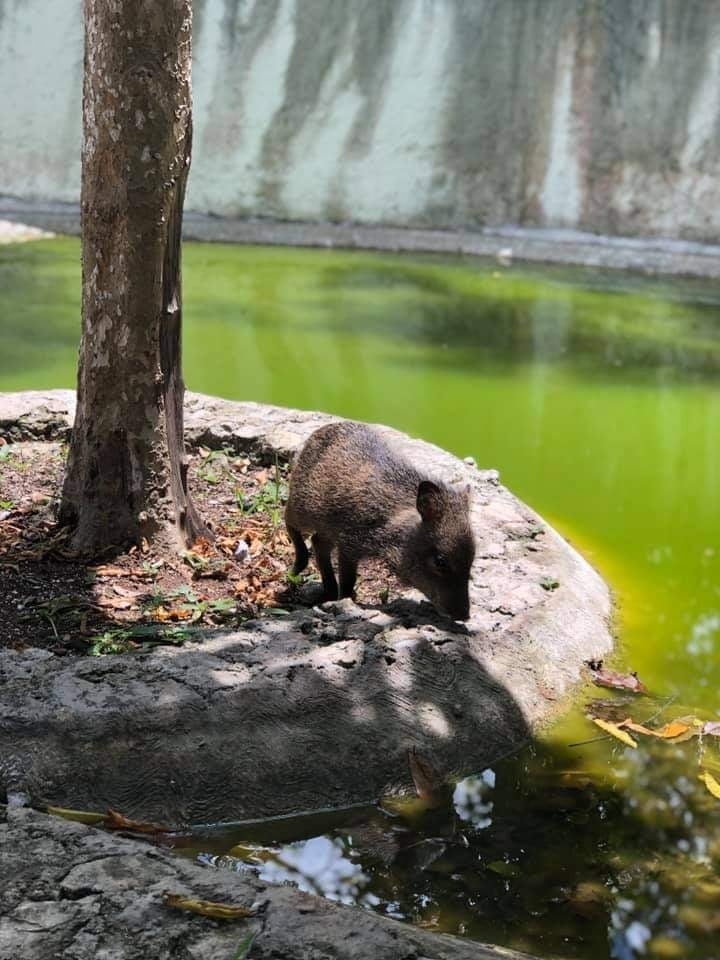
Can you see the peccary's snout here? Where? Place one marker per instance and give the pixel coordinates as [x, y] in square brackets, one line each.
[458, 607]
[438, 561]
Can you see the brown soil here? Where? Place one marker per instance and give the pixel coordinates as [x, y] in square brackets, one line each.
[126, 600]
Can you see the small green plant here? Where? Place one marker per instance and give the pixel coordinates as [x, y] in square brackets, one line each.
[7, 504]
[549, 583]
[126, 639]
[150, 569]
[215, 465]
[110, 642]
[243, 950]
[269, 499]
[188, 605]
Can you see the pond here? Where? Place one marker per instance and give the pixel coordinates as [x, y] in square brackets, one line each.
[596, 396]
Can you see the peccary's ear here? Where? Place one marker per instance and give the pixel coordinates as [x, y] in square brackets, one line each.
[430, 501]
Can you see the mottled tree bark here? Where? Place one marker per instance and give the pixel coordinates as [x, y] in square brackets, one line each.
[126, 474]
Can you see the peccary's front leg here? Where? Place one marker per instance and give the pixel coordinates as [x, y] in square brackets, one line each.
[323, 550]
[348, 575]
[301, 550]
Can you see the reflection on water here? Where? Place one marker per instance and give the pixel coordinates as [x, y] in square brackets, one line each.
[596, 396]
[537, 853]
[471, 802]
[319, 865]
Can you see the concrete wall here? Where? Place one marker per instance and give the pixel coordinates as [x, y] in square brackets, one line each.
[597, 114]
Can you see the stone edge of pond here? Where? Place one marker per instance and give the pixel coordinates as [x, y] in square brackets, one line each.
[317, 707]
[650, 255]
[72, 891]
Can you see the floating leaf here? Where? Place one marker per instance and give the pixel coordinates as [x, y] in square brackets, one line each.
[208, 908]
[638, 728]
[602, 677]
[615, 731]
[711, 783]
[684, 728]
[679, 729]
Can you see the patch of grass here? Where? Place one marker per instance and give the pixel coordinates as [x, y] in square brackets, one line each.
[184, 602]
[127, 639]
[270, 498]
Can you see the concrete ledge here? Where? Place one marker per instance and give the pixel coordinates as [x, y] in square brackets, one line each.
[651, 255]
[317, 707]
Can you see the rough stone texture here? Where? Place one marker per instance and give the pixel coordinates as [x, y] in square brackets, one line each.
[602, 115]
[317, 707]
[70, 892]
[33, 415]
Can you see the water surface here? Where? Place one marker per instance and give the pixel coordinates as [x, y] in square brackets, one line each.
[596, 396]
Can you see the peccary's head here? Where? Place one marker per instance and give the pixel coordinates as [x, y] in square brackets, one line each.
[439, 555]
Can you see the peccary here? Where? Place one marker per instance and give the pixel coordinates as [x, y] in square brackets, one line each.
[350, 490]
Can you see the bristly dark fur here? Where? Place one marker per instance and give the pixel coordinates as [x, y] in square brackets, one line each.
[350, 490]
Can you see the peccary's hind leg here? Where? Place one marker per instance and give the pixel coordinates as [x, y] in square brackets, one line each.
[348, 575]
[301, 551]
[323, 550]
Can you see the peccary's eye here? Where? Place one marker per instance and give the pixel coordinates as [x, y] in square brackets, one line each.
[439, 560]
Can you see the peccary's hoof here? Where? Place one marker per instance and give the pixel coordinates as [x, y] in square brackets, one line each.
[312, 593]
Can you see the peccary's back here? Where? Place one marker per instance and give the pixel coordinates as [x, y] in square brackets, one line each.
[346, 477]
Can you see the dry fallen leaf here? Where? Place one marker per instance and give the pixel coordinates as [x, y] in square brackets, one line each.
[162, 614]
[602, 677]
[615, 731]
[208, 908]
[108, 570]
[115, 603]
[202, 547]
[117, 821]
[429, 784]
[711, 783]
[638, 728]
[684, 728]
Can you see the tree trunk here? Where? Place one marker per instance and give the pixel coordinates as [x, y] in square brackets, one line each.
[127, 473]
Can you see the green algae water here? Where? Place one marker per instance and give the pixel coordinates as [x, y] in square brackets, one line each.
[596, 396]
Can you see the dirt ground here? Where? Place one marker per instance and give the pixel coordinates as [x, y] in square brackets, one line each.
[130, 599]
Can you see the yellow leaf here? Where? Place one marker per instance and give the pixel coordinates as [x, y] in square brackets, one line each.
[676, 728]
[80, 816]
[615, 731]
[208, 908]
[711, 783]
